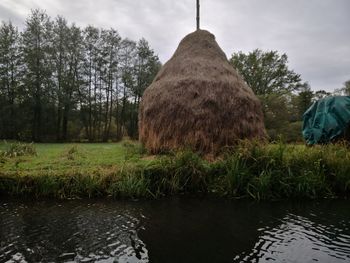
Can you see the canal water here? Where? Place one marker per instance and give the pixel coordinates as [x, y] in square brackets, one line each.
[174, 230]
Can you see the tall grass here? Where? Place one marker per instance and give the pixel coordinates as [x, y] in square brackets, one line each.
[251, 170]
[17, 149]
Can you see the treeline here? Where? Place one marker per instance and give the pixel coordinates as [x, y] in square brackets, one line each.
[60, 82]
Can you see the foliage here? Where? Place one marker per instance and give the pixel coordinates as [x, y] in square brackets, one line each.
[72, 83]
[266, 72]
[304, 99]
[10, 73]
[268, 75]
[282, 116]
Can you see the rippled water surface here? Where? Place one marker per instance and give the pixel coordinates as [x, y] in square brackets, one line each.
[174, 230]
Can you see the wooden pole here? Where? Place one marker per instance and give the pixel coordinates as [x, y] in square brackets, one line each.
[198, 14]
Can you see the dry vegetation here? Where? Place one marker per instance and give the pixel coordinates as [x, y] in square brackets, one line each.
[198, 101]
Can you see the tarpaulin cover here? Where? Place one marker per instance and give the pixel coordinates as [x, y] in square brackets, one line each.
[326, 119]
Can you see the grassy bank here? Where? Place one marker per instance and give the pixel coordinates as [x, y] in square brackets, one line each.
[252, 170]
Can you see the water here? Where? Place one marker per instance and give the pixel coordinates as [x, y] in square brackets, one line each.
[174, 230]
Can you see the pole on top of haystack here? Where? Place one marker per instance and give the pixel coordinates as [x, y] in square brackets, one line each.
[197, 14]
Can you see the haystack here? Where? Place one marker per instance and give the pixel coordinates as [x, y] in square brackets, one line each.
[198, 101]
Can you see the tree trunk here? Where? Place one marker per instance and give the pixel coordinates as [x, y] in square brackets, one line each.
[65, 121]
[59, 121]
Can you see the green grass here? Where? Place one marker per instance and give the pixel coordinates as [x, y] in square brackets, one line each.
[68, 157]
[251, 170]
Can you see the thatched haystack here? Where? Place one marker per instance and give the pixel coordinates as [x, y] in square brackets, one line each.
[199, 101]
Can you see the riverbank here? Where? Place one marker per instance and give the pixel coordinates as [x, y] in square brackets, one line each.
[263, 172]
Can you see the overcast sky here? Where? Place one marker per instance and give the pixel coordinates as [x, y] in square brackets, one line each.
[315, 34]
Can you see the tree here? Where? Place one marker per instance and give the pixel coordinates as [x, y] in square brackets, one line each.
[58, 82]
[37, 52]
[88, 92]
[304, 99]
[73, 50]
[268, 75]
[266, 72]
[60, 59]
[282, 116]
[111, 47]
[146, 67]
[128, 82]
[10, 78]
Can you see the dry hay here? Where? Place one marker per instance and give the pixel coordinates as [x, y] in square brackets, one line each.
[198, 101]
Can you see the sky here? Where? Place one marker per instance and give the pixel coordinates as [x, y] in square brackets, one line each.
[315, 34]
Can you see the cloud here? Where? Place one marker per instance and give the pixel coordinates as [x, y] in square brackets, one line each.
[315, 34]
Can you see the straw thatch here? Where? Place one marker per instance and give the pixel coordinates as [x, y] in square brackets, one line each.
[198, 100]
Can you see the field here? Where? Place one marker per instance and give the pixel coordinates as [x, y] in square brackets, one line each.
[251, 170]
[66, 158]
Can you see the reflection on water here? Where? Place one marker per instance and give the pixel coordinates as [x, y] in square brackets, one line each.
[70, 231]
[174, 230]
[299, 239]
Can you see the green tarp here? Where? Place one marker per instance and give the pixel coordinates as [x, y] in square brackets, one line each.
[326, 119]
